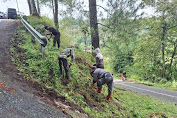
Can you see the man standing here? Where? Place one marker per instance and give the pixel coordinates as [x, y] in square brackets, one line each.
[54, 32]
[101, 77]
[99, 59]
[68, 52]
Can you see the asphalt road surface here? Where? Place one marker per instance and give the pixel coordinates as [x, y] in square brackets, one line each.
[158, 93]
[21, 104]
[14, 101]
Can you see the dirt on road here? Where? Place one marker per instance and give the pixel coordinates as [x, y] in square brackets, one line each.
[6, 31]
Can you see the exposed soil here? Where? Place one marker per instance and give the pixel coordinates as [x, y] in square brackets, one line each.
[5, 56]
[7, 67]
[3, 86]
[80, 60]
[158, 115]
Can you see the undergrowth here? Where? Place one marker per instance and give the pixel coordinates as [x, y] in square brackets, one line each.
[43, 68]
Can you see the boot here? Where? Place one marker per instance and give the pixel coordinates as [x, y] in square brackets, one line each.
[67, 75]
[108, 97]
[99, 90]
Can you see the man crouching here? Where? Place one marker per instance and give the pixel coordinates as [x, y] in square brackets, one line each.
[101, 77]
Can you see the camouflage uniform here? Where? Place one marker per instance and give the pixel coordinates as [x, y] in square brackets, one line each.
[63, 59]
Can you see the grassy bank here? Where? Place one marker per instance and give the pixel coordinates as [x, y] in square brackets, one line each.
[78, 91]
[171, 85]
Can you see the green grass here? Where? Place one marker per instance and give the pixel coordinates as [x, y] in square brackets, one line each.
[144, 106]
[44, 69]
[170, 85]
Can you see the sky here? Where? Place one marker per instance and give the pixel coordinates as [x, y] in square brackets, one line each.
[45, 11]
[23, 7]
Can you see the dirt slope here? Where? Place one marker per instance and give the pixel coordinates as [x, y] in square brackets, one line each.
[18, 98]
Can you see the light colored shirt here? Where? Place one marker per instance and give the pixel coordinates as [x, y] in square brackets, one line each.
[67, 53]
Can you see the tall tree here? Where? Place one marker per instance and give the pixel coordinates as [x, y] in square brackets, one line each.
[163, 35]
[157, 50]
[53, 9]
[33, 7]
[93, 24]
[56, 14]
[168, 22]
[53, 4]
[29, 4]
[38, 7]
[120, 30]
[167, 19]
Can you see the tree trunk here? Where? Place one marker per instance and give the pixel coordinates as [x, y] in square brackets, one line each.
[173, 55]
[93, 24]
[29, 4]
[53, 10]
[38, 8]
[34, 10]
[163, 50]
[56, 14]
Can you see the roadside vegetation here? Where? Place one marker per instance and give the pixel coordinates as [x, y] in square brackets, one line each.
[170, 85]
[78, 92]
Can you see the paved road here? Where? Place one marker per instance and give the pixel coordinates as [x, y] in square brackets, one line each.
[14, 101]
[22, 104]
[147, 90]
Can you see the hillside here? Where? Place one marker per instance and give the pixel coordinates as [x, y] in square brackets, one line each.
[42, 72]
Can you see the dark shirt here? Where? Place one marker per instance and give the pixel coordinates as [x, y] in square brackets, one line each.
[124, 74]
[54, 31]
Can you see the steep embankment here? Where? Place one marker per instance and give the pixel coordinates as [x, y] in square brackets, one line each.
[77, 94]
[16, 99]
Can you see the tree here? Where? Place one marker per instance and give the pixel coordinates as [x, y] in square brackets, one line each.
[120, 31]
[56, 14]
[53, 4]
[33, 8]
[158, 46]
[93, 24]
[166, 9]
[38, 8]
[29, 4]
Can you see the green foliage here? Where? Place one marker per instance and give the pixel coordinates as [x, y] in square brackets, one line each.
[43, 68]
[136, 44]
[79, 36]
[120, 37]
[144, 107]
[148, 58]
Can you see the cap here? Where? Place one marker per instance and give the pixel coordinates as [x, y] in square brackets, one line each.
[46, 27]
